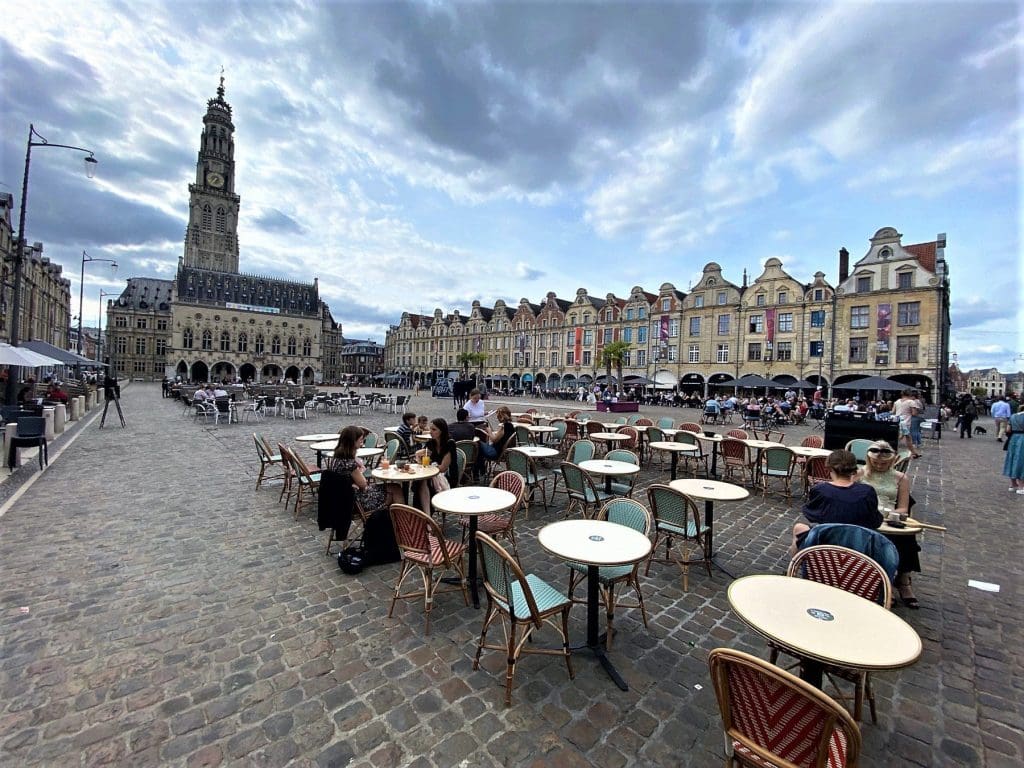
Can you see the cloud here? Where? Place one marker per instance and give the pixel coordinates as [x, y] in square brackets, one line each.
[525, 272]
[273, 220]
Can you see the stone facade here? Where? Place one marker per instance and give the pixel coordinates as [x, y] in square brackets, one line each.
[988, 379]
[212, 322]
[889, 316]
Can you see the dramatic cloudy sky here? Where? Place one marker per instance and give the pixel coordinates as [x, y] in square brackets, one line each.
[424, 155]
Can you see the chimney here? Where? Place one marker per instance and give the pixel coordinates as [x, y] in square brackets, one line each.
[744, 278]
[844, 264]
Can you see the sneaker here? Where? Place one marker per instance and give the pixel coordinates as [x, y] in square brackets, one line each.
[1012, 488]
[1020, 491]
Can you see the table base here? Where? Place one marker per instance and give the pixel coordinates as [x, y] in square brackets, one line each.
[595, 642]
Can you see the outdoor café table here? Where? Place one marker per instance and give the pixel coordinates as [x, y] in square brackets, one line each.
[317, 438]
[609, 469]
[394, 475]
[710, 491]
[328, 446]
[595, 543]
[422, 437]
[808, 452]
[539, 432]
[473, 501]
[536, 451]
[823, 625]
[675, 449]
[609, 438]
[715, 440]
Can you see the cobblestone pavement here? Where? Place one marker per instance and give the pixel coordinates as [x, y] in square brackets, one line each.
[157, 610]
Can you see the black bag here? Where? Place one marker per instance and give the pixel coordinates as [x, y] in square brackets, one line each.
[379, 544]
[352, 559]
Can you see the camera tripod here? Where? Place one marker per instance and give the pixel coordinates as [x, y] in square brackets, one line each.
[117, 404]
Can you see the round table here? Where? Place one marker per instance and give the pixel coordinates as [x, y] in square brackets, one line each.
[595, 543]
[823, 624]
[809, 452]
[316, 438]
[710, 491]
[473, 501]
[422, 437]
[909, 529]
[608, 469]
[329, 445]
[394, 475]
[536, 451]
[609, 438]
[675, 449]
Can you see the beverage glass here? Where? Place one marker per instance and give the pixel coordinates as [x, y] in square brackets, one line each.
[384, 463]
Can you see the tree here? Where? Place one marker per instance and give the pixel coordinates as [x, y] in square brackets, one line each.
[466, 359]
[614, 354]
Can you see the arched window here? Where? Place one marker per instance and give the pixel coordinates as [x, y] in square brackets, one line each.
[186, 338]
[259, 345]
[291, 345]
[207, 217]
[207, 340]
[307, 348]
[243, 342]
[275, 345]
[221, 219]
[225, 341]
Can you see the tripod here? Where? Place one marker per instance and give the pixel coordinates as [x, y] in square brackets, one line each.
[111, 397]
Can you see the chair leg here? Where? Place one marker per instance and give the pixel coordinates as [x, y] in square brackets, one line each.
[565, 641]
[510, 666]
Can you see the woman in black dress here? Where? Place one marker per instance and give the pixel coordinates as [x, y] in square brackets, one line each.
[442, 452]
[841, 500]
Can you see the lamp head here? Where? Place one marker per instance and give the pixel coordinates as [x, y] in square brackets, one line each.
[90, 166]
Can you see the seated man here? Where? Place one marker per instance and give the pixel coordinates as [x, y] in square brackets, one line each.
[405, 433]
[56, 394]
[461, 429]
[219, 392]
[199, 396]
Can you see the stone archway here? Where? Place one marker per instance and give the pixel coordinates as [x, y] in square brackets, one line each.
[270, 371]
[291, 373]
[223, 370]
[182, 370]
[247, 372]
[308, 376]
[200, 372]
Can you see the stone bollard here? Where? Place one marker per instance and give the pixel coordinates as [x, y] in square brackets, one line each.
[48, 429]
[10, 432]
[60, 418]
[81, 406]
[90, 400]
[76, 408]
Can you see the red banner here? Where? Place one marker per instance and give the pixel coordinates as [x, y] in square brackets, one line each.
[578, 346]
[769, 324]
[663, 335]
[882, 340]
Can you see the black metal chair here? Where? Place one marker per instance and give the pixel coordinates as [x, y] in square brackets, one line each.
[31, 432]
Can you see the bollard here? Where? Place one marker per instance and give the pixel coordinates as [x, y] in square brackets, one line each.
[76, 408]
[90, 400]
[10, 431]
[60, 418]
[48, 429]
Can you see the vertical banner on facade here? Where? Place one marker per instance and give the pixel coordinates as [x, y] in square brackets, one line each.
[478, 344]
[663, 330]
[882, 341]
[578, 346]
[769, 324]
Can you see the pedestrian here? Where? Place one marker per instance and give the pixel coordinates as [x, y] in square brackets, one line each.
[967, 417]
[1001, 412]
[1013, 464]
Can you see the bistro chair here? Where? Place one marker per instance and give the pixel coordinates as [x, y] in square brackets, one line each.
[522, 602]
[736, 456]
[469, 448]
[859, 448]
[336, 507]
[572, 434]
[738, 434]
[643, 421]
[656, 435]
[581, 490]
[693, 459]
[524, 465]
[371, 440]
[631, 514]
[691, 426]
[666, 422]
[621, 421]
[501, 524]
[392, 449]
[555, 439]
[255, 408]
[777, 464]
[854, 572]
[523, 435]
[581, 450]
[494, 466]
[773, 718]
[815, 471]
[676, 517]
[424, 548]
[300, 478]
[813, 441]
[712, 414]
[623, 486]
[268, 459]
[31, 433]
[770, 435]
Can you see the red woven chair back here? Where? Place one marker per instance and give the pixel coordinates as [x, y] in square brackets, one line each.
[813, 441]
[842, 568]
[739, 434]
[634, 436]
[689, 426]
[734, 450]
[817, 470]
[595, 426]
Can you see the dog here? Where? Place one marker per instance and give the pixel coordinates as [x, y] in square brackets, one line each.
[980, 431]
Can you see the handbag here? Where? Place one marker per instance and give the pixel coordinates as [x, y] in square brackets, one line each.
[352, 559]
[439, 482]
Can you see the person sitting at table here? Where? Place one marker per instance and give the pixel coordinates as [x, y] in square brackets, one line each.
[475, 407]
[422, 427]
[370, 496]
[405, 432]
[494, 444]
[840, 500]
[441, 451]
[893, 489]
[461, 429]
[56, 394]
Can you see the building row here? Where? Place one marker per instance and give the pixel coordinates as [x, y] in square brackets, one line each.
[888, 315]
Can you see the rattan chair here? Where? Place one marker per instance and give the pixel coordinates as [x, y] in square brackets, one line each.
[676, 518]
[525, 466]
[773, 718]
[581, 450]
[859, 448]
[304, 481]
[771, 435]
[581, 490]
[693, 459]
[738, 434]
[522, 602]
[424, 548]
[623, 486]
[737, 458]
[777, 465]
[268, 460]
[501, 524]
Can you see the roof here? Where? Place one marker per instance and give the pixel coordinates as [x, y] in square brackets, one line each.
[146, 293]
[924, 253]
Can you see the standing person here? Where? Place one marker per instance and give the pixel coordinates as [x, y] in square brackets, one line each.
[903, 411]
[916, 419]
[475, 407]
[967, 416]
[1001, 412]
[1013, 464]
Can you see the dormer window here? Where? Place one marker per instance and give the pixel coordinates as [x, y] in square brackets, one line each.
[864, 284]
[760, 299]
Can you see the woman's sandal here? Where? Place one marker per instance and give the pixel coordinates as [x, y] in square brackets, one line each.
[909, 601]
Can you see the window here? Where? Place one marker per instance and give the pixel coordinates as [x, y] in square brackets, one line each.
[666, 305]
[627, 335]
[607, 335]
[859, 350]
[221, 221]
[756, 324]
[275, 345]
[140, 346]
[723, 353]
[541, 358]
[588, 337]
[161, 347]
[641, 313]
[908, 313]
[785, 322]
[754, 351]
[721, 298]
[783, 297]
[760, 299]
[673, 355]
[158, 367]
[816, 349]
[906, 349]
[698, 300]
[863, 284]
[723, 325]
[207, 340]
[225, 342]
[307, 348]
[243, 342]
[120, 321]
[626, 357]
[641, 334]
[122, 345]
[259, 346]
[629, 313]
[673, 327]
[818, 318]
[570, 358]
[570, 337]
[207, 218]
[554, 358]
[139, 366]
[784, 350]
[694, 354]
[695, 326]
[906, 280]
[641, 357]
[140, 322]
[860, 317]
[608, 316]
[161, 325]
[186, 338]
[819, 294]
[586, 357]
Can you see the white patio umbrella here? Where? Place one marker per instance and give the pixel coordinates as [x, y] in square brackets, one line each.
[24, 357]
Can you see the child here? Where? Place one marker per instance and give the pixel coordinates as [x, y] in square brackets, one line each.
[422, 427]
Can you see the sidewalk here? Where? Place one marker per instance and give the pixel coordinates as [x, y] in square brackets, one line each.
[156, 610]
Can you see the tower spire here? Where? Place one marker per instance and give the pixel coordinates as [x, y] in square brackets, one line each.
[220, 88]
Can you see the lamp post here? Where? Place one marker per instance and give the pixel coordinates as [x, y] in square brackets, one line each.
[19, 257]
[81, 292]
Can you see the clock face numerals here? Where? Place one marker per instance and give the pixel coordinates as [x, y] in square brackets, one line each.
[215, 180]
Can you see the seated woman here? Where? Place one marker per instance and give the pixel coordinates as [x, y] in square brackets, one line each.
[345, 462]
[893, 489]
[441, 451]
[841, 500]
[491, 448]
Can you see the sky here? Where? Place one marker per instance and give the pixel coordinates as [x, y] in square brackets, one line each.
[415, 156]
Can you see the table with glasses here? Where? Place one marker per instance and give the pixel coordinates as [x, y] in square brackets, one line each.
[595, 543]
[673, 448]
[328, 446]
[405, 477]
[710, 491]
[823, 625]
[540, 432]
[608, 469]
[473, 501]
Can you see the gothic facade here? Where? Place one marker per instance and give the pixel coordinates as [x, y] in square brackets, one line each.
[213, 322]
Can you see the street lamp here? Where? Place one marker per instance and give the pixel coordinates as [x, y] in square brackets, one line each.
[99, 325]
[19, 257]
[81, 292]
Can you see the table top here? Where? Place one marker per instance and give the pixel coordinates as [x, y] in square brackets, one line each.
[594, 542]
[716, 438]
[473, 500]
[824, 623]
[422, 438]
[536, 451]
[763, 444]
[710, 490]
[608, 467]
[610, 437]
[541, 430]
[665, 445]
[330, 445]
[393, 475]
[808, 451]
[909, 530]
[317, 438]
